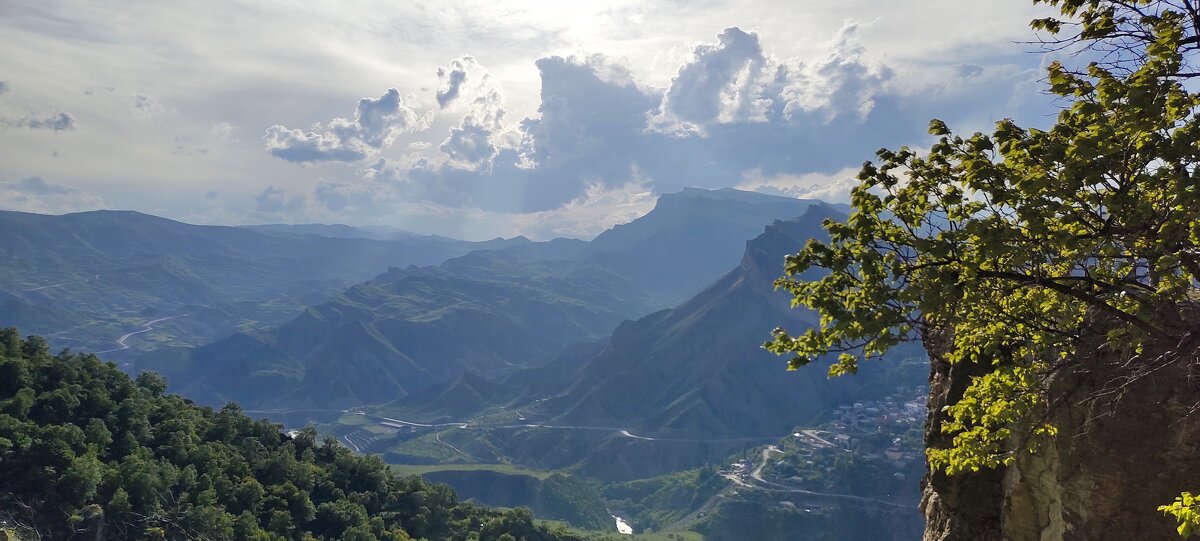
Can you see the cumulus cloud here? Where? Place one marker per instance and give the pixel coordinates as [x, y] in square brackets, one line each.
[843, 84]
[722, 83]
[478, 136]
[61, 121]
[585, 117]
[732, 114]
[299, 146]
[376, 123]
[35, 194]
[470, 144]
[452, 79]
[733, 81]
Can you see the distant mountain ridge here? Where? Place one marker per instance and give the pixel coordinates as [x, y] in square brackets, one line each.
[690, 238]
[488, 311]
[343, 231]
[406, 329]
[84, 279]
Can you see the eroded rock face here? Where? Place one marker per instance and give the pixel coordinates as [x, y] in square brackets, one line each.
[1118, 455]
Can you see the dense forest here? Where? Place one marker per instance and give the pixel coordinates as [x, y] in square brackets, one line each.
[86, 451]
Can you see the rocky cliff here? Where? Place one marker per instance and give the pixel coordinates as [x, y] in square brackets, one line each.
[1128, 441]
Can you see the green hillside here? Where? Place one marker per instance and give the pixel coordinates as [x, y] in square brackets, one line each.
[85, 451]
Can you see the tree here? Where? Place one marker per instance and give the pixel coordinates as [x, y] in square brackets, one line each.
[85, 451]
[1008, 248]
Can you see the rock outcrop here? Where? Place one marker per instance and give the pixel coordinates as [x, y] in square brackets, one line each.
[1128, 441]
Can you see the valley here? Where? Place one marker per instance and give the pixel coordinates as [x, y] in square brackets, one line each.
[615, 384]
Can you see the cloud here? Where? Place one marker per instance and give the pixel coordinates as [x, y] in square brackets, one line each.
[733, 81]
[186, 146]
[3, 87]
[592, 130]
[276, 202]
[61, 121]
[843, 84]
[34, 194]
[298, 146]
[722, 83]
[731, 114]
[147, 108]
[452, 79]
[600, 208]
[470, 144]
[585, 117]
[225, 132]
[966, 71]
[376, 123]
[38, 186]
[358, 198]
[834, 188]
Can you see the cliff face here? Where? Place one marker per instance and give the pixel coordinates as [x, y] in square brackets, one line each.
[1125, 446]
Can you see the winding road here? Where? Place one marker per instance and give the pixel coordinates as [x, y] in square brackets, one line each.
[438, 436]
[148, 326]
[85, 280]
[769, 486]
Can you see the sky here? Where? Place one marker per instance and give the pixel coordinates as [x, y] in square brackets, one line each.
[483, 119]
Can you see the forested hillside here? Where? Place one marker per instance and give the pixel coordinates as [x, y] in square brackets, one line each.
[85, 451]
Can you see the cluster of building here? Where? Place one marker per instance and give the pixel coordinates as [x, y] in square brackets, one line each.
[900, 410]
[873, 432]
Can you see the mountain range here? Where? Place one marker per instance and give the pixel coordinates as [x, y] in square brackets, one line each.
[82, 280]
[510, 305]
[625, 357]
[674, 389]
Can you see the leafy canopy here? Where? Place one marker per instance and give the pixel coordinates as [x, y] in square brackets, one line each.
[86, 451]
[1001, 247]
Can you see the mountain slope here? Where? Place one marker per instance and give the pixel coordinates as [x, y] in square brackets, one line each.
[98, 455]
[698, 371]
[676, 388]
[489, 311]
[690, 238]
[111, 271]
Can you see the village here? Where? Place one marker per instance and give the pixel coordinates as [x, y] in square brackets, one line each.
[866, 450]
